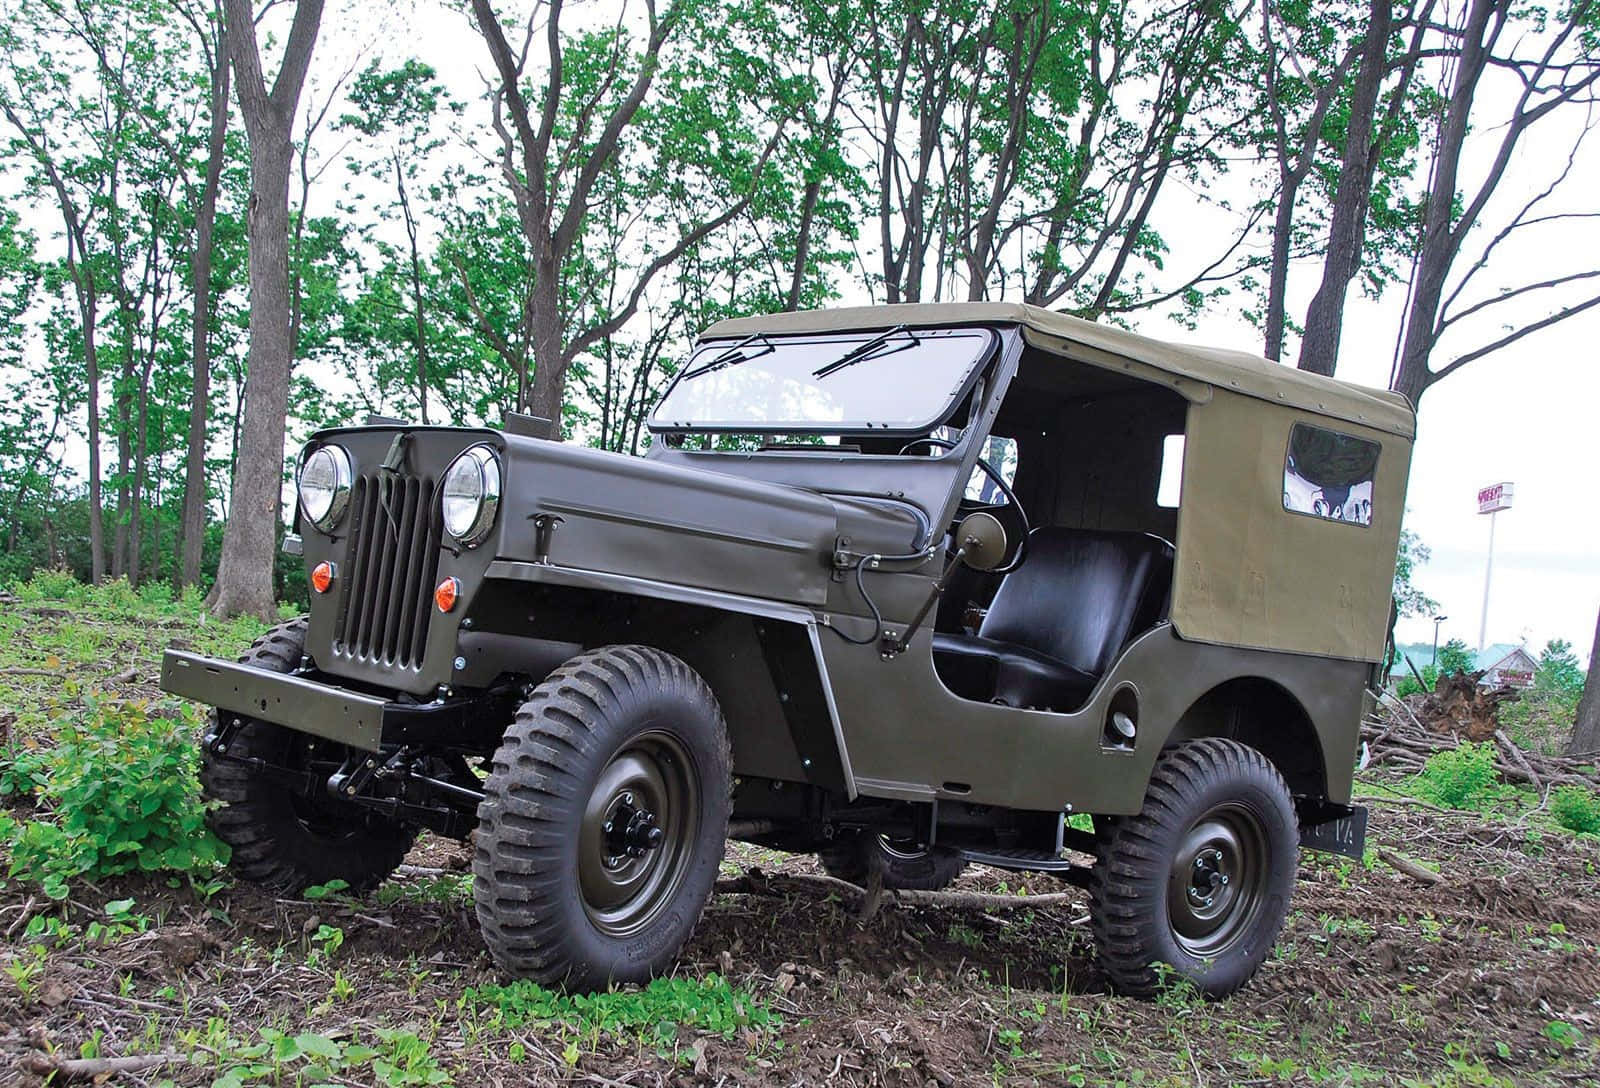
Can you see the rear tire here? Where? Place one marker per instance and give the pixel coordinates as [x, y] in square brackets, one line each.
[1200, 879]
[604, 821]
[278, 838]
[855, 858]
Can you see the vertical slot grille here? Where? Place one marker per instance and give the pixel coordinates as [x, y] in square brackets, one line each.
[393, 557]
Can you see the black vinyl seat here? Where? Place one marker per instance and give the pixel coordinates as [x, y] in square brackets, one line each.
[1059, 621]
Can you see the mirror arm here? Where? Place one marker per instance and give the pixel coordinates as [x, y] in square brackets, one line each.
[894, 646]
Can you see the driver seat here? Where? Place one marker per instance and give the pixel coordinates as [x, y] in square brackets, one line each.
[1059, 621]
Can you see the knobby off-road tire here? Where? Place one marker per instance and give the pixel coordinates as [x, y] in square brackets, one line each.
[905, 868]
[573, 886]
[278, 839]
[1200, 879]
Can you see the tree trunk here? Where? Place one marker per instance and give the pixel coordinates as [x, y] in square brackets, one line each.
[244, 579]
[1319, 350]
[549, 368]
[87, 301]
[1586, 730]
[192, 529]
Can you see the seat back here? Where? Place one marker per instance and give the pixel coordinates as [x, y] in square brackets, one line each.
[1081, 594]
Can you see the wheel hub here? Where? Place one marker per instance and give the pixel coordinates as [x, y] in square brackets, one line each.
[1210, 874]
[1216, 879]
[630, 831]
[638, 832]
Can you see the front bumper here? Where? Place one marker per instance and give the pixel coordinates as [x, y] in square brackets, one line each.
[308, 705]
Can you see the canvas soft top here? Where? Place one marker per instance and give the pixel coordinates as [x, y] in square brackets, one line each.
[1048, 330]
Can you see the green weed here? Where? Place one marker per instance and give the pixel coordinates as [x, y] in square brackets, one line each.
[655, 1012]
[1576, 808]
[1463, 778]
[122, 788]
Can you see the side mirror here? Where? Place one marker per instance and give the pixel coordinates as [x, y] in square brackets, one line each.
[982, 540]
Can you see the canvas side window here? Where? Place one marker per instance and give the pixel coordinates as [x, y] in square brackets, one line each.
[1171, 485]
[1001, 452]
[1329, 475]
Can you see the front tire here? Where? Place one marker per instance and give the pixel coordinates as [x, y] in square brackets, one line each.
[1200, 879]
[604, 821]
[278, 838]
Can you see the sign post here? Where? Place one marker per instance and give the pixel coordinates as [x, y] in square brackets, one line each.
[1491, 500]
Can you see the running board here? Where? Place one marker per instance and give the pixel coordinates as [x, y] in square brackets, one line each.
[1029, 861]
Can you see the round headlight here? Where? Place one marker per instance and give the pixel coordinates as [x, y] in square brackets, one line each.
[325, 486]
[470, 495]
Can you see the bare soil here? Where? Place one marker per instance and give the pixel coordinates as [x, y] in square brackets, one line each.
[1485, 974]
[1379, 978]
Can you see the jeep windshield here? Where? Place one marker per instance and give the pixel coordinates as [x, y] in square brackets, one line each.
[900, 380]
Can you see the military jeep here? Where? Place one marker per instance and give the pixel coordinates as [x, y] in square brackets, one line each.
[908, 587]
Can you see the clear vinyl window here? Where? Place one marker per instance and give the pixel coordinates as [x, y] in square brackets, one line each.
[1329, 475]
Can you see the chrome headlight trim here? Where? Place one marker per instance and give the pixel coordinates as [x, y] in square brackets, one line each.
[476, 470]
[334, 477]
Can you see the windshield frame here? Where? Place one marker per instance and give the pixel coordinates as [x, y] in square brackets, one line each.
[846, 339]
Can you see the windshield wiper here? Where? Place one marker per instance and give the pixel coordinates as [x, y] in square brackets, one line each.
[865, 351]
[731, 357]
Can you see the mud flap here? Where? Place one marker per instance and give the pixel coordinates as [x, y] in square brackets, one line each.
[1334, 829]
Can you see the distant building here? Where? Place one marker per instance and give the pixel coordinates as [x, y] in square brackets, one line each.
[1505, 665]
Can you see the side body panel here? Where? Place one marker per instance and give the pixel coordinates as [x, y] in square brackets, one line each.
[910, 737]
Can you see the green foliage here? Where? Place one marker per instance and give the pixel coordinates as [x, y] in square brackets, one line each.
[1558, 669]
[122, 793]
[1406, 684]
[1576, 808]
[1463, 777]
[1455, 657]
[655, 1012]
[1542, 717]
[399, 1059]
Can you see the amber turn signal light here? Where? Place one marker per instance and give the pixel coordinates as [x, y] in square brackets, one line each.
[445, 594]
[322, 577]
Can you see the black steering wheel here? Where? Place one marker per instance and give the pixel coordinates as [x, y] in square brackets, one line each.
[1004, 489]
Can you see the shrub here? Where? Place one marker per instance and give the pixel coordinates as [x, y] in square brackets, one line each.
[1407, 684]
[1541, 719]
[1455, 657]
[1576, 809]
[123, 793]
[1464, 777]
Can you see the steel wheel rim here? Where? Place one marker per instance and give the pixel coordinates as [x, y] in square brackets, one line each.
[897, 852]
[1215, 889]
[624, 883]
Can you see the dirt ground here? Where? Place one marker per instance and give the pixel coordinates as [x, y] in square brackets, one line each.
[1484, 975]
[1379, 978]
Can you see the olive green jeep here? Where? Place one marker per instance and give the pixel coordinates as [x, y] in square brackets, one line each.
[908, 587]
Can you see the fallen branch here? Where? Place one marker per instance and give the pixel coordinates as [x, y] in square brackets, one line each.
[1410, 868]
[44, 1065]
[758, 883]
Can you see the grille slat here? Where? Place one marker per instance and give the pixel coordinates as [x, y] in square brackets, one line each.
[394, 555]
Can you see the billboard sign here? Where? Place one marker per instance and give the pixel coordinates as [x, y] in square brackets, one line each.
[1494, 497]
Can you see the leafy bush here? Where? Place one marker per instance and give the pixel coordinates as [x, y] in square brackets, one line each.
[122, 790]
[708, 1004]
[1407, 684]
[1462, 778]
[1542, 719]
[1576, 809]
[1455, 656]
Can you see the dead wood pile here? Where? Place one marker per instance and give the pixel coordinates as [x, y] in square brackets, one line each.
[1402, 734]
